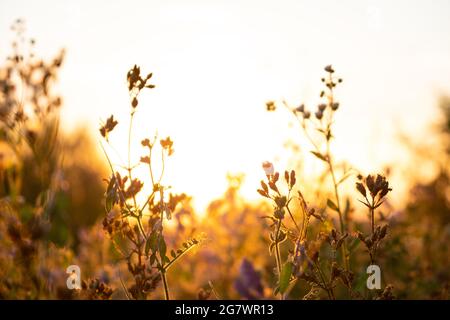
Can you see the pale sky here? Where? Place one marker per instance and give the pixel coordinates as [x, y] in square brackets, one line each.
[216, 63]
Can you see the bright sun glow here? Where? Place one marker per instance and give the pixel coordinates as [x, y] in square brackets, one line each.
[216, 63]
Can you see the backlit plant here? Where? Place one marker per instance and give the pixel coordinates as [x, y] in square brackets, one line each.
[137, 230]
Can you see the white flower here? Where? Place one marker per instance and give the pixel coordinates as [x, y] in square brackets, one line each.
[268, 168]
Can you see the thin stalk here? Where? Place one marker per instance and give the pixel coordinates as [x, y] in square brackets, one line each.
[372, 216]
[338, 204]
[324, 282]
[277, 253]
[292, 218]
[178, 257]
[165, 285]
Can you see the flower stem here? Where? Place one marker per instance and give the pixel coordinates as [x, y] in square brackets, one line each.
[277, 253]
[338, 204]
[165, 285]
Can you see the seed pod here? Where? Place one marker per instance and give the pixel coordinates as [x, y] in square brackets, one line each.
[286, 176]
[383, 231]
[329, 69]
[360, 187]
[281, 201]
[319, 114]
[293, 179]
[134, 102]
[273, 186]
[276, 176]
[300, 108]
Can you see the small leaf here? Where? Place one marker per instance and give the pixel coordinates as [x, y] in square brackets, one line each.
[319, 155]
[152, 259]
[263, 193]
[151, 243]
[162, 248]
[173, 254]
[276, 291]
[332, 205]
[345, 177]
[285, 276]
[109, 203]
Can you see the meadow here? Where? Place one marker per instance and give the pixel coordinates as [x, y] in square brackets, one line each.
[65, 200]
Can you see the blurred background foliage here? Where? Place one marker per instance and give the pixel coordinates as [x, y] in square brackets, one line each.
[51, 207]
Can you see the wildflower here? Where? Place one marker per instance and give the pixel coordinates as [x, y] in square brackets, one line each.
[108, 127]
[268, 168]
[306, 114]
[167, 144]
[376, 186]
[319, 114]
[248, 284]
[134, 102]
[145, 159]
[270, 106]
[329, 68]
[279, 213]
[360, 187]
[146, 143]
[133, 189]
[300, 108]
[334, 106]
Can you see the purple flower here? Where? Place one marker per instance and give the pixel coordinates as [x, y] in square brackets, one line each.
[248, 284]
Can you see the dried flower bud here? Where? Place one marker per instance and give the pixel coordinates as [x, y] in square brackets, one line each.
[322, 107]
[134, 102]
[334, 106]
[300, 108]
[293, 179]
[276, 176]
[360, 187]
[329, 68]
[319, 115]
[145, 143]
[383, 231]
[306, 114]
[279, 213]
[270, 106]
[108, 127]
[280, 201]
[145, 159]
[167, 144]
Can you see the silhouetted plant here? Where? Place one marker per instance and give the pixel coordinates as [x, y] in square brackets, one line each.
[145, 249]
